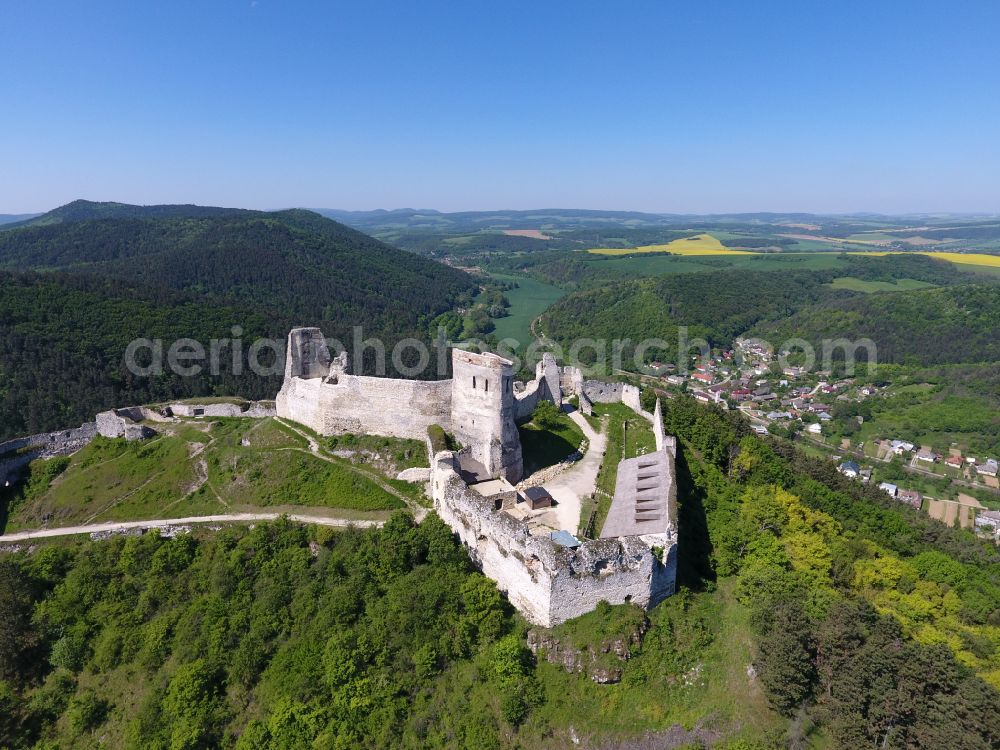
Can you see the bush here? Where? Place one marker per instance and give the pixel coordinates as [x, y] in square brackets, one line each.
[547, 415]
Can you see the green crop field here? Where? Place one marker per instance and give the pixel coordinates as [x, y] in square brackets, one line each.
[529, 300]
[860, 285]
[654, 265]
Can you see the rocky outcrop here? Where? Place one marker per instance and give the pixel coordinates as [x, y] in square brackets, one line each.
[598, 663]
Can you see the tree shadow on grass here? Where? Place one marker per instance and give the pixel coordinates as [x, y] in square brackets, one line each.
[694, 547]
[541, 448]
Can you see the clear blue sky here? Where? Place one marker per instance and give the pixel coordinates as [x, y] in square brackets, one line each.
[694, 106]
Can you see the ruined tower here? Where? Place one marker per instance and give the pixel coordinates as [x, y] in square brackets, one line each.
[482, 411]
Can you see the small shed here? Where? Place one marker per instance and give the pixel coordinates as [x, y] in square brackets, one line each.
[538, 497]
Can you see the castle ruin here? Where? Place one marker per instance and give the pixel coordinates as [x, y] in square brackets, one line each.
[548, 577]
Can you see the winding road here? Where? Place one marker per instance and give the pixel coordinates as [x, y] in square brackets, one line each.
[159, 523]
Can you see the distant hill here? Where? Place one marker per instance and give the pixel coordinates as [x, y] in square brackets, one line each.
[487, 235]
[82, 210]
[15, 218]
[294, 261]
[107, 273]
[954, 324]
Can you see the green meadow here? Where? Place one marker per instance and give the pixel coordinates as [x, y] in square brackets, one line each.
[529, 300]
[860, 285]
[196, 468]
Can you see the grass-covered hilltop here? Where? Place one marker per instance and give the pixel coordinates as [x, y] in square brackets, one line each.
[813, 612]
[79, 283]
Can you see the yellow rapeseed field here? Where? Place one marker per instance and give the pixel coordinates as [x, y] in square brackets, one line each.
[702, 244]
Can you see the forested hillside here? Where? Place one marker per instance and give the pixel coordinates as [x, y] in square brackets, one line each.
[295, 261]
[932, 326]
[63, 339]
[925, 327]
[85, 280]
[717, 307]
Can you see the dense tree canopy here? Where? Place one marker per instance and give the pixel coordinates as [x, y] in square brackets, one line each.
[114, 273]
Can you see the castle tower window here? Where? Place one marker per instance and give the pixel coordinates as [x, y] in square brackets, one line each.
[486, 385]
[473, 382]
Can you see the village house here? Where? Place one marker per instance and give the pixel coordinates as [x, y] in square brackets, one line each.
[988, 469]
[910, 497]
[899, 447]
[889, 488]
[849, 469]
[988, 521]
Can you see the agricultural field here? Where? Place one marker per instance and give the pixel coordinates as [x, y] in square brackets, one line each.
[199, 468]
[861, 285]
[702, 244]
[655, 265]
[529, 300]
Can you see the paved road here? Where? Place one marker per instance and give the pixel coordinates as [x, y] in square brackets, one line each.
[159, 523]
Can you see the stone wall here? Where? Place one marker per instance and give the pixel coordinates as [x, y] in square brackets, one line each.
[544, 581]
[19, 452]
[57, 443]
[252, 409]
[525, 402]
[478, 405]
[600, 392]
[118, 423]
[631, 397]
[368, 405]
[547, 371]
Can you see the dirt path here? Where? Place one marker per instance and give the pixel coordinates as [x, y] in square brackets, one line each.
[160, 523]
[419, 512]
[571, 486]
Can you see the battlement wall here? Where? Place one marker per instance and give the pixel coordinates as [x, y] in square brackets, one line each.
[526, 401]
[367, 405]
[546, 582]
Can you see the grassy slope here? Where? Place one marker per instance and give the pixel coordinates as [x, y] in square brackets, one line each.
[166, 477]
[692, 670]
[545, 447]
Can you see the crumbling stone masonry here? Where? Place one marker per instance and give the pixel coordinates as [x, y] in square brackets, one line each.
[547, 582]
[478, 405]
